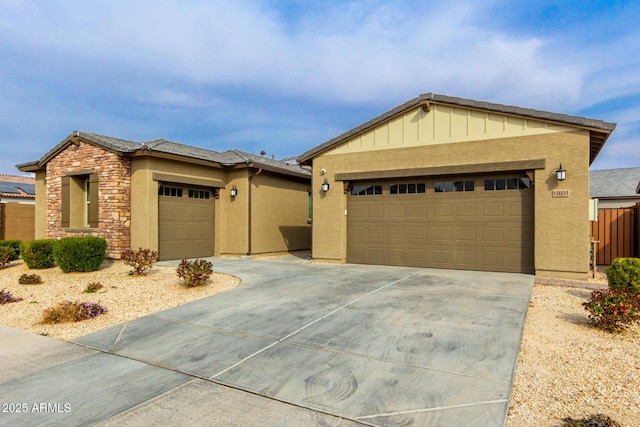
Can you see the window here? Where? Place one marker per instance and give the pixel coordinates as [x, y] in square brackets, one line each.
[413, 188]
[87, 190]
[365, 190]
[452, 186]
[523, 183]
[309, 205]
[80, 201]
[199, 194]
[170, 191]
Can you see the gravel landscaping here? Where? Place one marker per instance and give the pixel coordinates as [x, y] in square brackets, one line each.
[566, 366]
[126, 297]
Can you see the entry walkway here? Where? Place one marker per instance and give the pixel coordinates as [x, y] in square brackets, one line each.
[296, 344]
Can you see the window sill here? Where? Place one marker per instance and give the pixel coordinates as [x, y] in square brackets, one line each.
[79, 229]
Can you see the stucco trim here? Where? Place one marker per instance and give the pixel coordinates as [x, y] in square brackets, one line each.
[443, 170]
[183, 179]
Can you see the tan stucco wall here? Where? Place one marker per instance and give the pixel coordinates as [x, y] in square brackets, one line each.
[144, 204]
[561, 224]
[41, 204]
[234, 217]
[279, 212]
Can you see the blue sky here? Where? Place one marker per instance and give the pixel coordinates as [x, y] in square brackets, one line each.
[285, 76]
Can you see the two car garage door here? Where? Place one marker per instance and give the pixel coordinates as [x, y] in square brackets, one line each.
[185, 222]
[472, 223]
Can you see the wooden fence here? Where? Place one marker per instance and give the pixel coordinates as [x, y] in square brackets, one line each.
[17, 221]
[617, 231]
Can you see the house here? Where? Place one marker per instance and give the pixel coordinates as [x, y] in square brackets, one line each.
[183, 201]
[17, 198]
[17, 189]
[615, 188]
[455, 183]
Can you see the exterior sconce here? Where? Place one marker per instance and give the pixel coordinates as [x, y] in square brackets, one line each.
[325, 185]
[561, 174]
[234, 191]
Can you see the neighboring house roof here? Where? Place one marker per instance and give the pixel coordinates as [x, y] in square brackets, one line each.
[615, 183]
[14, 186]
[599, 130]
[127, 147]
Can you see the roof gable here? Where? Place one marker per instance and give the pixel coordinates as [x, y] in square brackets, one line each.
[599, 130]
[126, 147]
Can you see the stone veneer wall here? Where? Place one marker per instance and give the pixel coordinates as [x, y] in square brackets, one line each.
[114, 194]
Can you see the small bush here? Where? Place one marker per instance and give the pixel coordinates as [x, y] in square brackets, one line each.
[79, 254]
[598, 420]
[15, 244]
[624, 273]
[93, 287]
[38, 254]
[6, 297]
[613, 309]
[6, 255]
[73, 312]
[140, 260]
[30, 279]
[194, 273]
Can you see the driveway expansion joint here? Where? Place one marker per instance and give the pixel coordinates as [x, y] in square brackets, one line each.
[283, 339]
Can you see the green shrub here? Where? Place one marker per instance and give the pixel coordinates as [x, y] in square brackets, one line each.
[73, 312]
[15, 244]
[194, 273]
[74, 254]
[140, 260]
[598, 420]
[38, 254]
[6, 254]
[613, 309]
[624, 273]
[30, 279]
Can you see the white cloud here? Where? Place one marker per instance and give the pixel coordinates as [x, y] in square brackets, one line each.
[355, 53]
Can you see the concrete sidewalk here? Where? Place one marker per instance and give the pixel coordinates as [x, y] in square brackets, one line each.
[295, 344]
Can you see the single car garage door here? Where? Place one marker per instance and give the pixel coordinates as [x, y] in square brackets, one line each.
[472, 223]
[185, 222]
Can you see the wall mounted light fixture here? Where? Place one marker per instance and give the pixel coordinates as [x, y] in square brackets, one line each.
[325, 185]
[561, 174]
[234, 191]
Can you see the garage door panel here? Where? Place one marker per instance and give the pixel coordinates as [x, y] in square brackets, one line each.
[418, 212]
[492, 234]
[492, 259]
[493, 209]
[465, 258]
[418, 233]
[467, 228]
[466, 210]
[396, 233]
[417, 256]
[442, 234]
[185, 224]
[375, 253]
[466, 234]
[376, 232]
[442, 210]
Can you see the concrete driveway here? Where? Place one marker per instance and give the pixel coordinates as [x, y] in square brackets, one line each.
[296, 344]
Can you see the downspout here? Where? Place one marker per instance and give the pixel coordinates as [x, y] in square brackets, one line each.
[250, 209]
